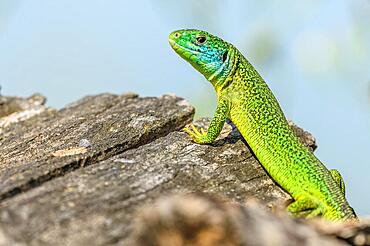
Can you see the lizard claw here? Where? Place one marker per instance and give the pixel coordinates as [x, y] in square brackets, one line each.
[197, 136]
[195, 130]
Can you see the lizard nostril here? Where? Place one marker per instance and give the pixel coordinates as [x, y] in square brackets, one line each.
[176, 35]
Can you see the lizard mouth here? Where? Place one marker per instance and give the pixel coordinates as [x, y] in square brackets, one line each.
[181, 49]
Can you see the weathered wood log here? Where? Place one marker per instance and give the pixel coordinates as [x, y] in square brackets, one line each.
[79, 175]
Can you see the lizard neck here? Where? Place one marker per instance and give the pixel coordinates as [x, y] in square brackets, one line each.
[224, 75]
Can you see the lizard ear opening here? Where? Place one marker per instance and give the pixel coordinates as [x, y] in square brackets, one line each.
[224, 56]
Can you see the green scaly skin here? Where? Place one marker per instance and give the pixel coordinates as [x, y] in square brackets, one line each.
[245, 98]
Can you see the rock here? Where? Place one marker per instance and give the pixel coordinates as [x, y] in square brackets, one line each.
[202, 220]
[48, 145]
[79, 175]
[10, 105]
[16, 109]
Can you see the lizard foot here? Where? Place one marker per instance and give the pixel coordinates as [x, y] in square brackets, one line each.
[306, 207]
[199, 137]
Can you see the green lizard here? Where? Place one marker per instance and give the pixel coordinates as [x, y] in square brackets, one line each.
[245, 98]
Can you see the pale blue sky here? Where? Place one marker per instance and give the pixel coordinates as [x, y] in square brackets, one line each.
[313, 54]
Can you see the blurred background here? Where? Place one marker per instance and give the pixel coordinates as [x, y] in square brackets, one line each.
[315, 56]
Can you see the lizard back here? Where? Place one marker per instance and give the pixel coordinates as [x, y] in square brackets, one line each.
[256, 113]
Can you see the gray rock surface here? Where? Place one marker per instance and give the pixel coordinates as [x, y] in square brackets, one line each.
[79, 176]
[48, 145]
[203, 220]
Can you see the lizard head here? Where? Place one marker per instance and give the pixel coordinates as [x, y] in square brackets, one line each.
[208, 54]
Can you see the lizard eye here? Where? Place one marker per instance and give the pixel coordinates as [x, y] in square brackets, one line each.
[201, 39]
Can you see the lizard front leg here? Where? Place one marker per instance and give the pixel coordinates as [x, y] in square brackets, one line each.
[218, 121]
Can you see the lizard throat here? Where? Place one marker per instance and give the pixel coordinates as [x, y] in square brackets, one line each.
[223, 76]
[218, 71]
